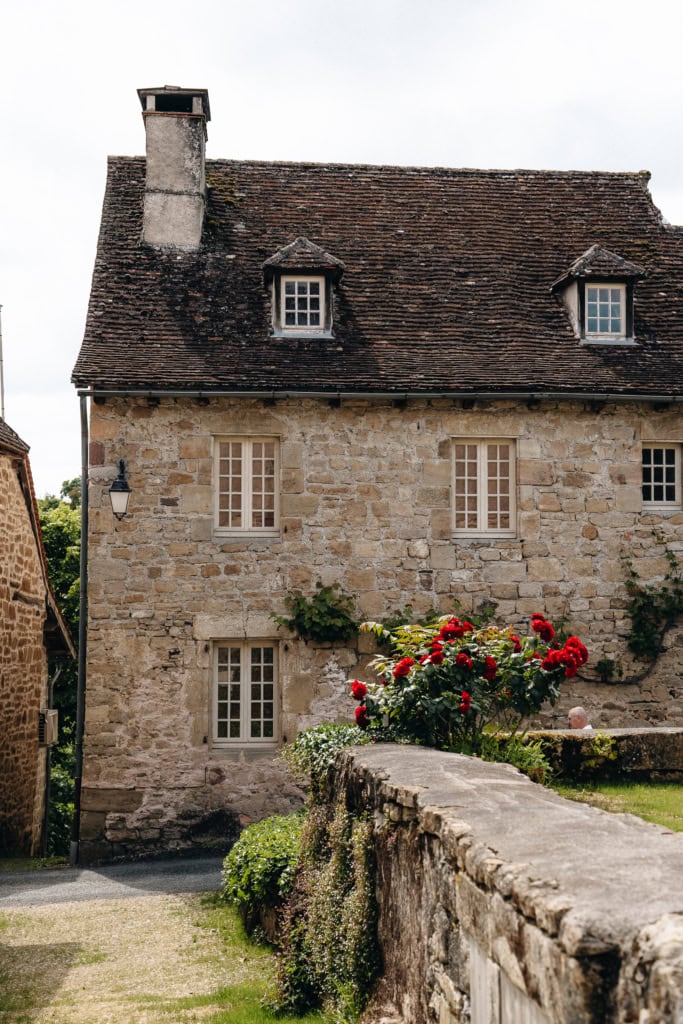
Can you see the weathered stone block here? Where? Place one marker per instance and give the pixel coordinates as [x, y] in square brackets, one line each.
[535, 472]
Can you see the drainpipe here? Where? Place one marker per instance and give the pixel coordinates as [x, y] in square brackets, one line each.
[82, 634]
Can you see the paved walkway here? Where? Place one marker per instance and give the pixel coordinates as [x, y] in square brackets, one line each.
[114, 881]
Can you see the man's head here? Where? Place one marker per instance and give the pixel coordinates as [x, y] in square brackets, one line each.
[578, 719]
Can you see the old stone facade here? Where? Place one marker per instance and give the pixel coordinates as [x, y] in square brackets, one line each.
[365, 501]
[26, 608]
[427, 385]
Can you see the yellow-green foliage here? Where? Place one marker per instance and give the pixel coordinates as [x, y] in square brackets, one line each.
[329, 954]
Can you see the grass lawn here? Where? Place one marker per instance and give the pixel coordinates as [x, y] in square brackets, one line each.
[32, 863]
[660, 802]
[161, 959]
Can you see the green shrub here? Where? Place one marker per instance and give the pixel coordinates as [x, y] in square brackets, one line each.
[313, 753]
[259, 870]
[525, 754]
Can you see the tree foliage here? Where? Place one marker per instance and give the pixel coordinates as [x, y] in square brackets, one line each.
[60, 521]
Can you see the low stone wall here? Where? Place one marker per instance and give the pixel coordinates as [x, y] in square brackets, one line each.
[635, 754]
[502, 903]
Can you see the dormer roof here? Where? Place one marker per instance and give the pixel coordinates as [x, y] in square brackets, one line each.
[599, 263]
[306, 256]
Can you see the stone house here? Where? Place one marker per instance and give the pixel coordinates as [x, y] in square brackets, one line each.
[32, 634]
[427, 385]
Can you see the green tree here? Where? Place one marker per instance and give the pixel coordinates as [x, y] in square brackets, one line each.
[60, 521]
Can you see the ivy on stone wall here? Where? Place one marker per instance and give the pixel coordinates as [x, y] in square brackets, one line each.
[326, 616]
[329, 955]
[654, 609]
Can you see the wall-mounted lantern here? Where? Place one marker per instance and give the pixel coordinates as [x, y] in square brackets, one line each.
[120, 492]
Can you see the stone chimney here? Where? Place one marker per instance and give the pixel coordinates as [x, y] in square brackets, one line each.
[175, 188]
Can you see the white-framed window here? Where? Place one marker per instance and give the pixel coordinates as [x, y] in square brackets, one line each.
[605, 311]
[483, 487]
[661, 474]
[246, 476]
[302, 304]
[245, 693]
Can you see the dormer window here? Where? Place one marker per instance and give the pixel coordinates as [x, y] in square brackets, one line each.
[597, 292]
[302, 303]
[302, 278]
[605, 311]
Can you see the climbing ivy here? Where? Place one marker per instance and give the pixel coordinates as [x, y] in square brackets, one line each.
[329, 955]
[653, 609]
[327, 615]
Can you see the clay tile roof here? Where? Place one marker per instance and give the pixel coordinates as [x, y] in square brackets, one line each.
[304, 255]
[601, 263]
[446, 287]
[9, 440]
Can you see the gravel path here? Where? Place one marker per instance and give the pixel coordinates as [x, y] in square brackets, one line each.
[125, 944]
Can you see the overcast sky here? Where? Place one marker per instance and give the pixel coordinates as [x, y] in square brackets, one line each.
[461, 83]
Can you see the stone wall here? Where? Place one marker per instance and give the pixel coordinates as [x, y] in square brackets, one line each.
[502, 903]
[365, 501]
[637, 755]
[23, 670]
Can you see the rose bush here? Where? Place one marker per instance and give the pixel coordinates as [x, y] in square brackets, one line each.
[443, 684]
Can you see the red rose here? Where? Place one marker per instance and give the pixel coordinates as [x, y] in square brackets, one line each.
[516, 643]
[465, 702]
[358, 690]
[570, 672]
[574, 644]
[570, 658]
[463, 660]
[403, 667]
[362, 717]
[490, 667]
[543, 628]
[552, 660]
[437, 657]
[436, 644]
[452, 630]
[467, 627]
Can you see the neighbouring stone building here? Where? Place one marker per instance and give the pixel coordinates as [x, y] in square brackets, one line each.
[32, 634]
[427, 385]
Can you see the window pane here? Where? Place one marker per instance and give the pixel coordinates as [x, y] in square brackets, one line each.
[604, 310]
[245, 712]
[661, 475]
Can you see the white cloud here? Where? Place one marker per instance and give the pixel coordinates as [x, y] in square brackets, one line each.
[449, 82]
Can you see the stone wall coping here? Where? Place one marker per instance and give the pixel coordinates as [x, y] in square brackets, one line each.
[591, 878]
[631, 731]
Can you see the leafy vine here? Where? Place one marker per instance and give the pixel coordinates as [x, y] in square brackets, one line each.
[653, 609]
[326, 616]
